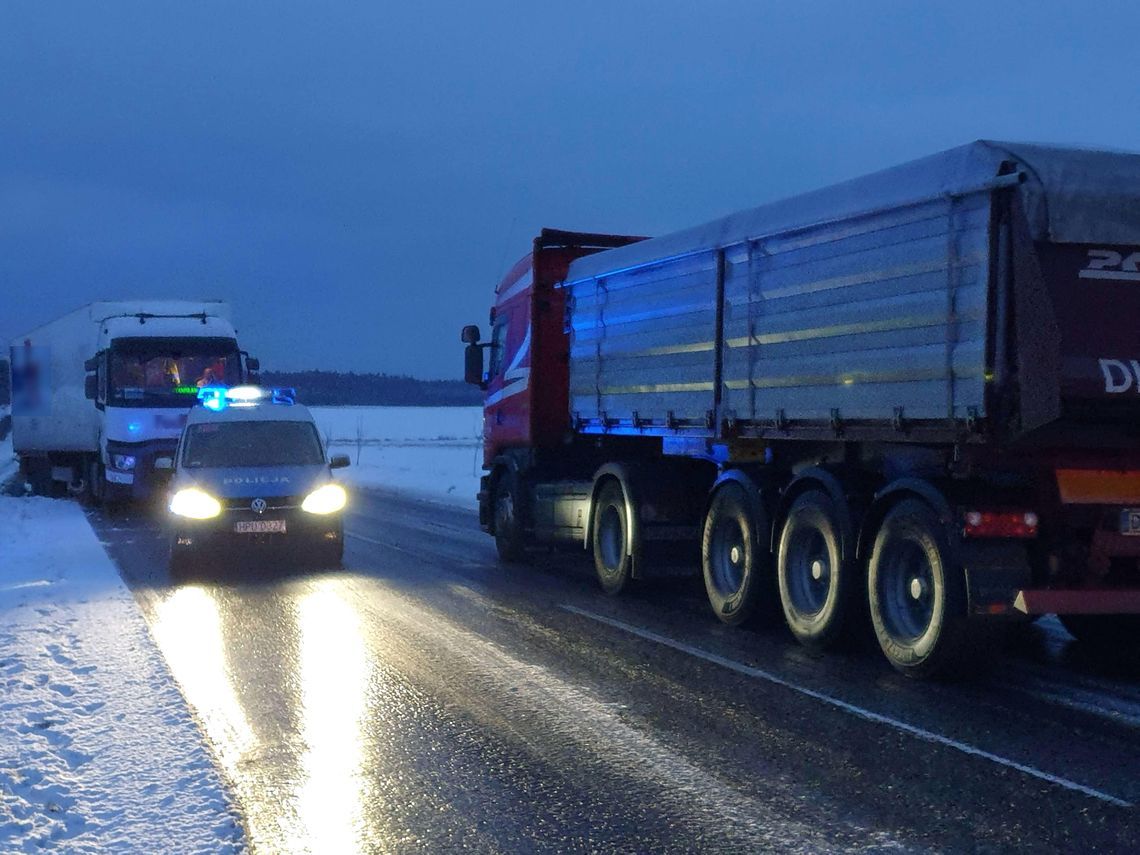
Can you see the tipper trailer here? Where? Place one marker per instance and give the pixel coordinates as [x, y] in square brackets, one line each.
[100, 395]
[913, 396]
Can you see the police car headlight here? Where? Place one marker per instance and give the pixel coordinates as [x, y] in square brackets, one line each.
[193, 503]
[325, 500]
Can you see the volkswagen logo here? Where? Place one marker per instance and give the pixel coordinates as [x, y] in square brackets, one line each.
[257, 506]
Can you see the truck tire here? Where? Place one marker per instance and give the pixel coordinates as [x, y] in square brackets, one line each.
[613, 562]
[817, 587]
[917, 594]
[510, 536]
[1105, 633]
[736, 563]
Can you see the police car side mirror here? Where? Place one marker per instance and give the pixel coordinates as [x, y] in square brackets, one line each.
[338, 461]
[164, 463]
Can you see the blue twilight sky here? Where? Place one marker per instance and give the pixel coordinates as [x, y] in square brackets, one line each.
[355, 177]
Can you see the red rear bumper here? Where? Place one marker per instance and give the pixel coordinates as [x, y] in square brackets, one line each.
[1099, 602]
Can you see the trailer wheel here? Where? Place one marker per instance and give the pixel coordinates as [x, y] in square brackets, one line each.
[917, 594]
[1105, 633]
[610, 539]
[817, 586]
[510, 537]
[737, 566]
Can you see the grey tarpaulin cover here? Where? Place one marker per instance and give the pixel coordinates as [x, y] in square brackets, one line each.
[1071, 195]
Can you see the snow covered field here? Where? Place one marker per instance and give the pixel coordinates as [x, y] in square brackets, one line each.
[432, 452]
[98, 751]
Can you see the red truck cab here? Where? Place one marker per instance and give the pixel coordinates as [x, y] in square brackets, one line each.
[527, 374]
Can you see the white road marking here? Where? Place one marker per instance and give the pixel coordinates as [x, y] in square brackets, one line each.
[852, 709]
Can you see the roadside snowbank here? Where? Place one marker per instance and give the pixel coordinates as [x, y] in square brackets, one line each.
[431, 452]
[97, 749]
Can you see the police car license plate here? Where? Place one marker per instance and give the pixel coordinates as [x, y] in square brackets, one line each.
[1130, 521]
[267, 526]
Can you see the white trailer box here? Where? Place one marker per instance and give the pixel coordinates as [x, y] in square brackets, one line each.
[100, 393]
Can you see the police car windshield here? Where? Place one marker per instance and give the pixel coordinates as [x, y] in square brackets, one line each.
[241, 444]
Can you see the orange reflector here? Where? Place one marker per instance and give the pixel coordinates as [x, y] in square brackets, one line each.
[1098, 487]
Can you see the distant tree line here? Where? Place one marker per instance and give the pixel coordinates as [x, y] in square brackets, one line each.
[5, 389]
[334, 388]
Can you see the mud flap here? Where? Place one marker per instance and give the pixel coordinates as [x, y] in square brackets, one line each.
[995, 572]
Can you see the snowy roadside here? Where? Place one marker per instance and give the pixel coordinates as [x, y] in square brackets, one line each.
[98, 751]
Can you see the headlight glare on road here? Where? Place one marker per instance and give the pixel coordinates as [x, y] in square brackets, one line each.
[325, 500]
[195, 504]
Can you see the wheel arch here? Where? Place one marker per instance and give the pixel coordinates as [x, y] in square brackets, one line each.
[758, 490]
[826, 481]
[891, 495]
[626, 477]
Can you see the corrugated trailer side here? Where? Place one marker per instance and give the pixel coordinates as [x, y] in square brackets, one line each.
[862, 320]
[870, 319]
[641, 344]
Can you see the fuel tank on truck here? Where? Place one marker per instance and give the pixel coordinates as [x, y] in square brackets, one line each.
[991, 290]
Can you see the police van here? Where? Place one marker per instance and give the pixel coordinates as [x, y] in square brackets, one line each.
[251, 471]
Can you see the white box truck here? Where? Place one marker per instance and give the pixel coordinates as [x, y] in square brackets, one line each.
[101, 393]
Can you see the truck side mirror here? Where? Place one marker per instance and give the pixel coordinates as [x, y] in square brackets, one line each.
[91, 387]
[91, 364]
[473, 365]
[252, 363]
[470, 334]
[338, 461]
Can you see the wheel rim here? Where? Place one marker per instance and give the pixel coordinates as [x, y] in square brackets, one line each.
[809, 571]
[504, 514]
[611, 539]
[907, 591]
[728, 555]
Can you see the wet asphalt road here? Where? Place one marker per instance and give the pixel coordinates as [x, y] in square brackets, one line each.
[426, 699]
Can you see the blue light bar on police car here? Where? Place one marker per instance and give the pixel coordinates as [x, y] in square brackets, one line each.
[217, 398]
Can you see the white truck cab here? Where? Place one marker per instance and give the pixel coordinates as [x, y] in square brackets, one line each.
[98, 394]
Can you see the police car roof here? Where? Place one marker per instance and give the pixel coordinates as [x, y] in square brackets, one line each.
[262, 411]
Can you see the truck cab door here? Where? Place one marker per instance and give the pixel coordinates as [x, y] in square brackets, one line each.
[507, 405]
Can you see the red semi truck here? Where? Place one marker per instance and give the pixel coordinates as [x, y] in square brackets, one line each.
[913, 397]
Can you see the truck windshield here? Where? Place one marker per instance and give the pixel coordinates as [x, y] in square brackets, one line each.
[244, 444]
[167, 372]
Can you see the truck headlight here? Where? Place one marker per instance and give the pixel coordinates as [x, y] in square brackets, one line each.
[195, 504]
[325, 500]
[123, 462]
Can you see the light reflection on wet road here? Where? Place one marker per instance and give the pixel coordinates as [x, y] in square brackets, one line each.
[425, 699]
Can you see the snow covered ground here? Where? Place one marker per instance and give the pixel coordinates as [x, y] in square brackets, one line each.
[98, 752]
[430, 452]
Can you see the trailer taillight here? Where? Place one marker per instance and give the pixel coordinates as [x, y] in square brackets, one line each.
[1018, 524]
